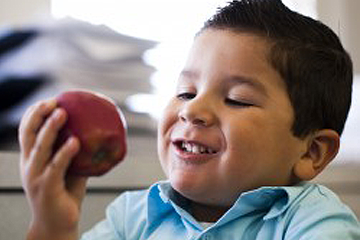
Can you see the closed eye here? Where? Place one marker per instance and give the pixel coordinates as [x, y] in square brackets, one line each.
[186, 96]
[237, 103]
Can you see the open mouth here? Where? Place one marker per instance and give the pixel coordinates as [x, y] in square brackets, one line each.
[194, 148]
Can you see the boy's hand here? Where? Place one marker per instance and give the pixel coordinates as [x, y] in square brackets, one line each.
[54, 198]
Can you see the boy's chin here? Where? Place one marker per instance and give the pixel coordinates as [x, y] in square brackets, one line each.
[187, 189]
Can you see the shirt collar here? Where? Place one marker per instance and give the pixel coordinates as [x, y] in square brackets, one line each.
[168, 194]
[275, 200]
[291, 195]
[163, 199]
[272, 199]
[157, 203]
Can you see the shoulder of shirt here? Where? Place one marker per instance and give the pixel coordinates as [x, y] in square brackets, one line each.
[318, 212]
[137, 207]
[305, 198]
[133, 200]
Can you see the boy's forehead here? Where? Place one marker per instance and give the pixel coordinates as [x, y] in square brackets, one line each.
[232, 59]
[232, 45]
[229, 52]
[232, 34]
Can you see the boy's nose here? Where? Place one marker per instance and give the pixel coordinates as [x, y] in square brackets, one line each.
[198, 112]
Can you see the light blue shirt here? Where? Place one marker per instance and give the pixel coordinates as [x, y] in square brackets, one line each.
[306, 211]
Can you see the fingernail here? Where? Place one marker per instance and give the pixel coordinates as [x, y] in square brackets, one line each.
[72, 141]
[57, 113]
[51, 103]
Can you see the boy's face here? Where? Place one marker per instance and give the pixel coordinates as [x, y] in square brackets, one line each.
[228, 127]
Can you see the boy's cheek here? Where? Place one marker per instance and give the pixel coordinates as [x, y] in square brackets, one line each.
[163, 152]
[169, 116]
[165, 127]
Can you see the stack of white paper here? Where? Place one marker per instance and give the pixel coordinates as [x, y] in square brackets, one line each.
[76, 54]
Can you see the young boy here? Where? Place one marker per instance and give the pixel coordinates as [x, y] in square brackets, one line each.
[258, 111]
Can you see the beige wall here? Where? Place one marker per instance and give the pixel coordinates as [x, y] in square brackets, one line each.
[19, 12]
[343, 17]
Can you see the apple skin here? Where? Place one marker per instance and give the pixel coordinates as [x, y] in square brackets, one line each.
[99, 125]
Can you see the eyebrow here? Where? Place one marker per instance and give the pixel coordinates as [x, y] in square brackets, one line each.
[234, 79]
[252, 82]
[189, 74]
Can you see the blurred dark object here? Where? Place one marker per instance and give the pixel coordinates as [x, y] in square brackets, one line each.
[8, 138]
[14, 89]
[15, 39]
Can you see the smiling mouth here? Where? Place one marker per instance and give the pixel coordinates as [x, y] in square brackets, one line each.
[194, 148]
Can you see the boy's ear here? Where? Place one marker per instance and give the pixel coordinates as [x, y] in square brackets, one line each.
[322, 148]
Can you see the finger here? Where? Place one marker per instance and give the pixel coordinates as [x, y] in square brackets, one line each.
[31, 123]
[35, 116]
[61, 160]
[43, 148]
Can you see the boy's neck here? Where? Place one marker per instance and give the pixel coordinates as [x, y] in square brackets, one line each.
[207, 213]
[201, 212]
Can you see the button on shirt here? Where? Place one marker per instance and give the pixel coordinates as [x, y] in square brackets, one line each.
[305, 211]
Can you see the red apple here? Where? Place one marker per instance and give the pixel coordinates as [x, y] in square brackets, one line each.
[100, 127]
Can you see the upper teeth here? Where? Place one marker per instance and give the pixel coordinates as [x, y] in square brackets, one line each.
[194, 148]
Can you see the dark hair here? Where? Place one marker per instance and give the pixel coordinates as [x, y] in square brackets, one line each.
[307, 54]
